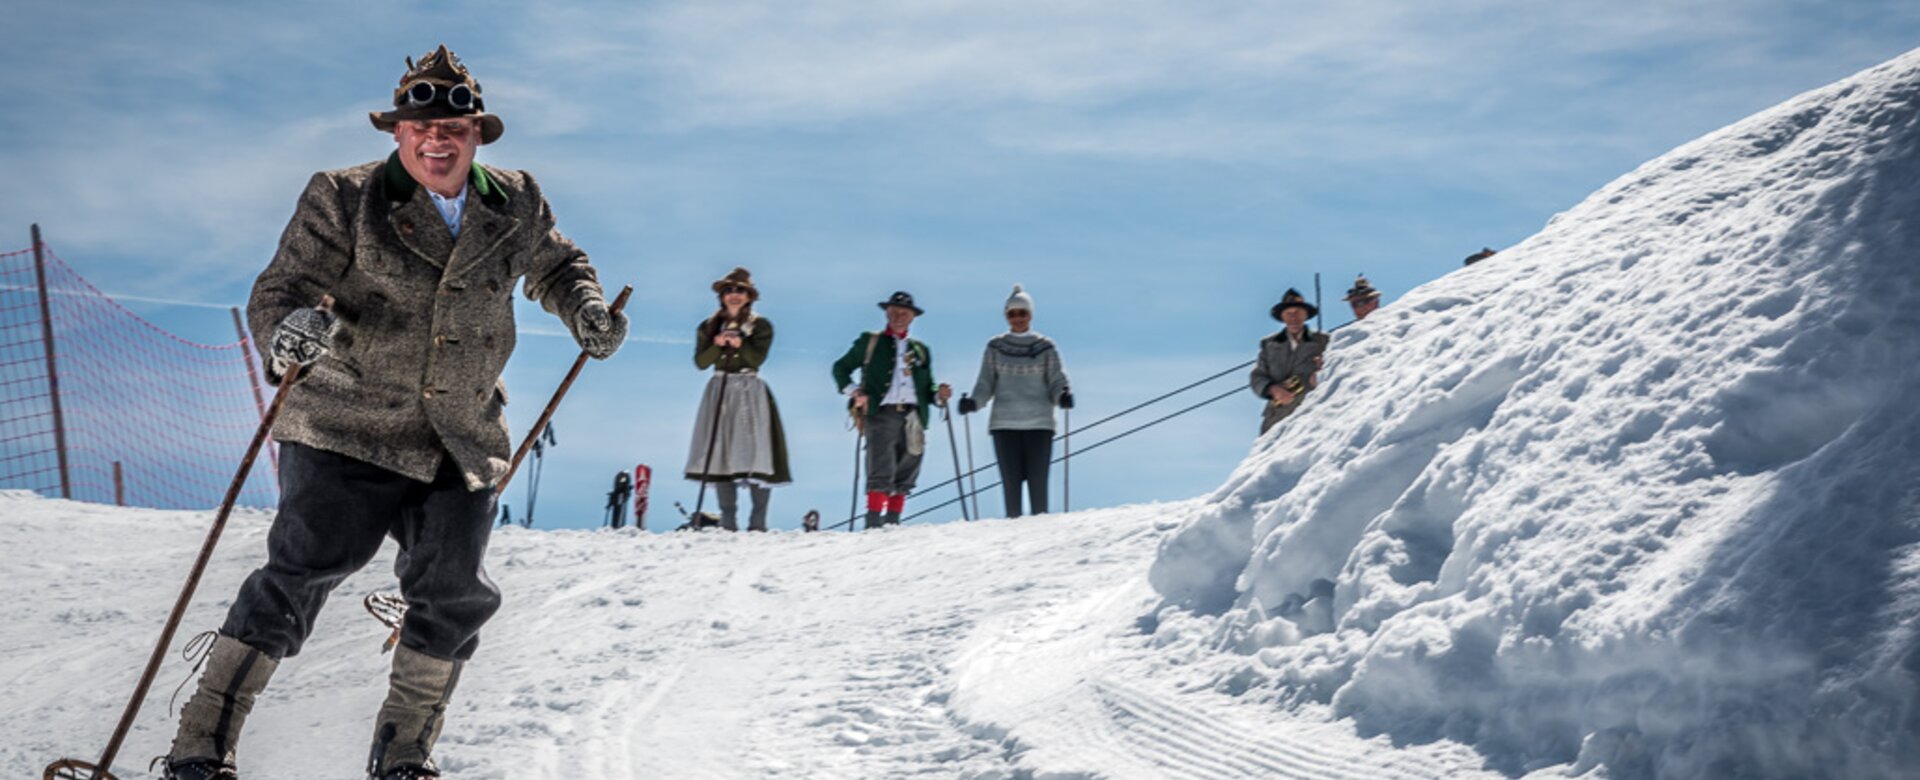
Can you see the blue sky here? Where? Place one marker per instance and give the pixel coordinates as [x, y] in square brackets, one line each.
[1155, 173]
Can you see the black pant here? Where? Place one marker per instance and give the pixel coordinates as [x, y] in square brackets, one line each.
[335, 512]
[1024, 456]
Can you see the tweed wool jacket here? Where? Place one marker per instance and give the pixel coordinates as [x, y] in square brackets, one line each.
[1280, 359]
[426, 321]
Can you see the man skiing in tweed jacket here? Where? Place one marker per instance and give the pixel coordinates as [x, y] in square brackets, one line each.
[397, 427]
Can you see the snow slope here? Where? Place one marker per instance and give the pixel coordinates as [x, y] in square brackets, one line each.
[998, 649]
[1638, 497]
[1642, 491]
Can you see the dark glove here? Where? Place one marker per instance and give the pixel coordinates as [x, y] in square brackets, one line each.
[967, 406]
[1066, 400]
[301, 338]
[599, 330]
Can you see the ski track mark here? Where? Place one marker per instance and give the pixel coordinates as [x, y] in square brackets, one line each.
[1176, 735]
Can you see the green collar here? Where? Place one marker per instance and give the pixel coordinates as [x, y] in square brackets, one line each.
[400, 184]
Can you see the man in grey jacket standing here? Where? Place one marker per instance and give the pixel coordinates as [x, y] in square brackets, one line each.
[1022, 376]
[397, 427]
[1288, 360]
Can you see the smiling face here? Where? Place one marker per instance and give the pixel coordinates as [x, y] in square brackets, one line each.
[899, 318]
[1019, 320]
[438, 153]
[733, 299]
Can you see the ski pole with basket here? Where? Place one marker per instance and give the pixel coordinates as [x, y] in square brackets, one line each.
[391, 608]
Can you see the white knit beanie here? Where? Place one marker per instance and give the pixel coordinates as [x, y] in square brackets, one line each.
[1019, 300]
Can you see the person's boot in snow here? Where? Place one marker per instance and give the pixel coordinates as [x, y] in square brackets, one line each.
[201, 769]
[410, 720]
[873, 519]
[203, 746]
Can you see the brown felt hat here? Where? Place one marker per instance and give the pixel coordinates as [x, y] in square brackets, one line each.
[438, 87]
[738, 277]
[1361, 291]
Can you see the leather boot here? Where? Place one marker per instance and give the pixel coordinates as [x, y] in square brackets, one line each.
[873, 519]
[197, 769]
[892, 518]
[409, 722]
[209, 731]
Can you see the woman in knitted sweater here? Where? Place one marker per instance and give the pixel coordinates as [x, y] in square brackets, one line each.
[737, 436]
[1022, 376]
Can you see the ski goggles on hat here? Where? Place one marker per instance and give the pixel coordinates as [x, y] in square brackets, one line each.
[424, 93]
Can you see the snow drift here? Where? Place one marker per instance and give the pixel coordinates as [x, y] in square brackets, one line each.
[1642, 491]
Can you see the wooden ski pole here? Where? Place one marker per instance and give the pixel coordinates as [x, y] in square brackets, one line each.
[973, 485]
[546, 416]
[1066, 466]
[1320, 316]
[713, 437]
[959, 482]
[70, 769]
[859, 438]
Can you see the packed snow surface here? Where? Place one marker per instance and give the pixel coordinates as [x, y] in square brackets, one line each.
[1638, 497]
[996, 649]
[1642, 491]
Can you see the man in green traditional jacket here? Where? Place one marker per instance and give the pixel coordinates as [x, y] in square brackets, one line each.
[891, 400]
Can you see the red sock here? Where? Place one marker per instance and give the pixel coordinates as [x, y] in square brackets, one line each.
[896, 503]
[876, 501]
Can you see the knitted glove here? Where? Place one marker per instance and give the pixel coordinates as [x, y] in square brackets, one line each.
[301, 338]
[599, 330]
[1066, 400]
[967, 406]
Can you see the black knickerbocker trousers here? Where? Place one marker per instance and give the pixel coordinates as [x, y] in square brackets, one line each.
[335, 511]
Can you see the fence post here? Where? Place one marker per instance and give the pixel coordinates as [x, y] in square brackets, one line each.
[119, 486]
[53, 372]
[253, 379]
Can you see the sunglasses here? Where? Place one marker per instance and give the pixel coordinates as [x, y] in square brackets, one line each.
[424, 93]
[731, 289]
[1019, 314]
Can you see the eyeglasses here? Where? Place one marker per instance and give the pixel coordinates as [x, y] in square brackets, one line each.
[424, 93]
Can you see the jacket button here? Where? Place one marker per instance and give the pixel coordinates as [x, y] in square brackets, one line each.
[427, 393]
[439, 341]
[407, 227]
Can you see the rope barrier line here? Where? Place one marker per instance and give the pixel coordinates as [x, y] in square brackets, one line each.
[172, 414]
[1103, 442]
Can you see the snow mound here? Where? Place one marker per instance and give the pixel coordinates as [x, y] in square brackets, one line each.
[1642, 491]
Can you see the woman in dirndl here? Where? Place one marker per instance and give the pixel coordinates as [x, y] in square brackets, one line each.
[737, 436]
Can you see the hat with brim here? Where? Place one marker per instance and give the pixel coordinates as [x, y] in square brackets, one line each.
[1361, 291]
[741, 278]
[443, 71]
[903, 300]
[1293, 299]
